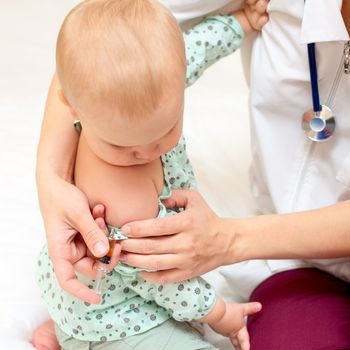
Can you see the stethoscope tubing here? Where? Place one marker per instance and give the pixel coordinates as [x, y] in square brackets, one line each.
[311, 48]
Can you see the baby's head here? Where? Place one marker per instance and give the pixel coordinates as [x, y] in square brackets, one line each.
[121, 68]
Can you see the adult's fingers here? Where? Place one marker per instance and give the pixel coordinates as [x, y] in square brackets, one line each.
[68, 281]
[168, 225]
[165, 277]
[86, 267]
[98, 213]
[156, 227]
[153, 262]
[159, 245]
[115, 255]
[94, 237]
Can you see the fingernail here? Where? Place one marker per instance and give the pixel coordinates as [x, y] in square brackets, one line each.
[126, 230]
[99, 248]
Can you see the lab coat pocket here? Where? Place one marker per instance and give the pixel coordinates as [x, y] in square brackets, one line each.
[343, 175]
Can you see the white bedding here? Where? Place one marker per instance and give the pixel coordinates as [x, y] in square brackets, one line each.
[216, 126]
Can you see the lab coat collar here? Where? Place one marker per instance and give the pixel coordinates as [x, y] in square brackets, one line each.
[322, 21]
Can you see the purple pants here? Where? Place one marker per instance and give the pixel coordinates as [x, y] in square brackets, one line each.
[303, 309]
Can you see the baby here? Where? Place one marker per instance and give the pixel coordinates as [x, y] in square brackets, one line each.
[122, 70]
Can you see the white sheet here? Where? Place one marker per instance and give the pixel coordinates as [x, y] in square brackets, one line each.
[218, 142]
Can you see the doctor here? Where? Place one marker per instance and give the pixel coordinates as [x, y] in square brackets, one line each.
[302, 187]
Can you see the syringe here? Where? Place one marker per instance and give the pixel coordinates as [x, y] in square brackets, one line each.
[102, 270]
[114, 234]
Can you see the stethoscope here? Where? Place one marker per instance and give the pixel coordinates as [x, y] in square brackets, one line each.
[318, 123]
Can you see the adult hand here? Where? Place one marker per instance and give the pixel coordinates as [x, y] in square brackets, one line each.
[72, 234]
[65, 209]
[181, 246]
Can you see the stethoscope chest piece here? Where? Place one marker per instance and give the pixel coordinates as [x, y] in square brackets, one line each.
[319, 126]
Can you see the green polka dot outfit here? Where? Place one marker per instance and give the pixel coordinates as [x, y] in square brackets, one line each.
[215, 37]
[130, 305]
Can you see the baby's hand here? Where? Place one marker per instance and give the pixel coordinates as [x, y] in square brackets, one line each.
[255, 11]
[232, 323]
[240, 340]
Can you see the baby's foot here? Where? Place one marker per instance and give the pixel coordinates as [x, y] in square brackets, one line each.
[44, 337]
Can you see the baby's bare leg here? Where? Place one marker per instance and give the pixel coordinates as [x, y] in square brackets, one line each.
[44, 337]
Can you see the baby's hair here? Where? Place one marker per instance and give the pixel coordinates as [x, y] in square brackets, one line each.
[120, 53]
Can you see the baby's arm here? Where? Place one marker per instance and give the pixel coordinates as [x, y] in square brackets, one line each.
[218, 36]
[214, 38]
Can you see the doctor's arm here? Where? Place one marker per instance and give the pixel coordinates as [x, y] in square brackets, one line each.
[64, 208]
[197, 240]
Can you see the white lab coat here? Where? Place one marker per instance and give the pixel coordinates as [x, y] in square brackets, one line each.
[290, 173]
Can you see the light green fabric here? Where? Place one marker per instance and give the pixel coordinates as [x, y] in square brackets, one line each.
[131, 305]
[215, 37]
[170, 335]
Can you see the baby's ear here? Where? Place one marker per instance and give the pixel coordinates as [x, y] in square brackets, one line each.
[63, 99]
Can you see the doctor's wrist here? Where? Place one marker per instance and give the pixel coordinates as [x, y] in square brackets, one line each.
[241, 241]
[232, 241]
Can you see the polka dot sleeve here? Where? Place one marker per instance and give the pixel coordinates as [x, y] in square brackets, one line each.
[215, 37]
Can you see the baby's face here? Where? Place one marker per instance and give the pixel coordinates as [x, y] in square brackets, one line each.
[124, 141]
